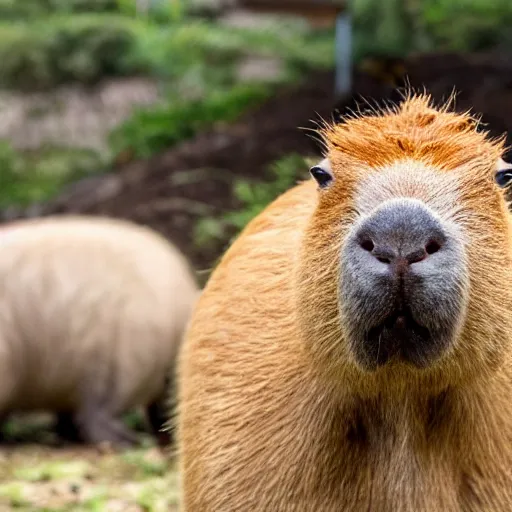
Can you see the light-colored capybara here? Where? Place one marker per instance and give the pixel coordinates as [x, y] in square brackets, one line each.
[92, 314]
[353, 349]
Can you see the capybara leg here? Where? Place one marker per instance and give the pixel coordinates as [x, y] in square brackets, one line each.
[157, 414]
[3, 420]
[160, 413]
[66, 428]
[104, 428]
[98, 426]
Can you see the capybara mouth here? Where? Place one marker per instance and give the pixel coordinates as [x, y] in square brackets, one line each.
[400, 336]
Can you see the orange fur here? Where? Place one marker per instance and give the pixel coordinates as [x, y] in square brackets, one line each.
[275, 416]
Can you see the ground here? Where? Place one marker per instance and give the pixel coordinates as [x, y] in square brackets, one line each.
[43, 478]
[39, 472]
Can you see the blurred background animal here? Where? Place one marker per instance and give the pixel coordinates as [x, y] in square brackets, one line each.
[93, 311]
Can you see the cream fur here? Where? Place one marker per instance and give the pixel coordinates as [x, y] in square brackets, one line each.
[89, 305]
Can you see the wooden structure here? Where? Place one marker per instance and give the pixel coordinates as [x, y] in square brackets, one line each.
[320, 13]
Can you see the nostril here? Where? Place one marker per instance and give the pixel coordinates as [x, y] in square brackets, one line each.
[367, 244]
[432, 247]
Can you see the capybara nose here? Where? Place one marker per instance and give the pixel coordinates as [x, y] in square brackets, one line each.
[399, 234]
[402, 281]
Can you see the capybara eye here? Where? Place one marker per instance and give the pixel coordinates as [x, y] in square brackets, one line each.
[504, 178]
[322, 176]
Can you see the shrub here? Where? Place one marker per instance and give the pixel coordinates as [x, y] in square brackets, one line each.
[53, 51]
[31, 178]
[172, 49]
[154, 129]
[469, 25]
[198, 62]
[398, 27]
[22, 9]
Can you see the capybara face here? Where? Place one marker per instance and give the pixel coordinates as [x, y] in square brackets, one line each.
[412, 229]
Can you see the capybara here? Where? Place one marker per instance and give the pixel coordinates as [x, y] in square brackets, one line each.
[353, 349]
[93, 312]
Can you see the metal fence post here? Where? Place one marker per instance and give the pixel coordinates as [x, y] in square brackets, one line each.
[343, 53]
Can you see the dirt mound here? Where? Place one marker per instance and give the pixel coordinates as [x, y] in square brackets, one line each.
[172, 190]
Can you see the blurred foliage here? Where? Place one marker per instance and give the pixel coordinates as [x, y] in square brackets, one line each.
[160, 11]
[253, 197]
[382, 27]
[45, 43]
[32, 177]
[399, 27]
[155, 129]
[469, 25]
[61, 47]
[198, 62]
[51, 51]
[195, 62]
[173, 50]
[23, 9]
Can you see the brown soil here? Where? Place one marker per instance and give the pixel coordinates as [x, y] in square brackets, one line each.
[172, 190]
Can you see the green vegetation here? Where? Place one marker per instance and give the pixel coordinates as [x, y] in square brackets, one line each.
[397, 27]
[46, 43]
[31, 177]
[198, 62]
[253, 198]
[152, 130]
[469, 25]
[50, 51]
[82, 480]
[195, 62]
[29, 9]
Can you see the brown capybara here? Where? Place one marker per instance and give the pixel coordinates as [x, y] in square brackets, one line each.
[93, 312]
[353, 349]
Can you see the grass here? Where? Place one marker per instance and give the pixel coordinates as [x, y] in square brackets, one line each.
[37, 475]
[253, 197]
[151, 130]
[33, 177]
[82, 479]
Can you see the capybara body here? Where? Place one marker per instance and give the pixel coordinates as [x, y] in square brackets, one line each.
[93, 312]
[353, 349]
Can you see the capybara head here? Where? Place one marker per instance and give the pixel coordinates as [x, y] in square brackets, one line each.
[405, 262]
